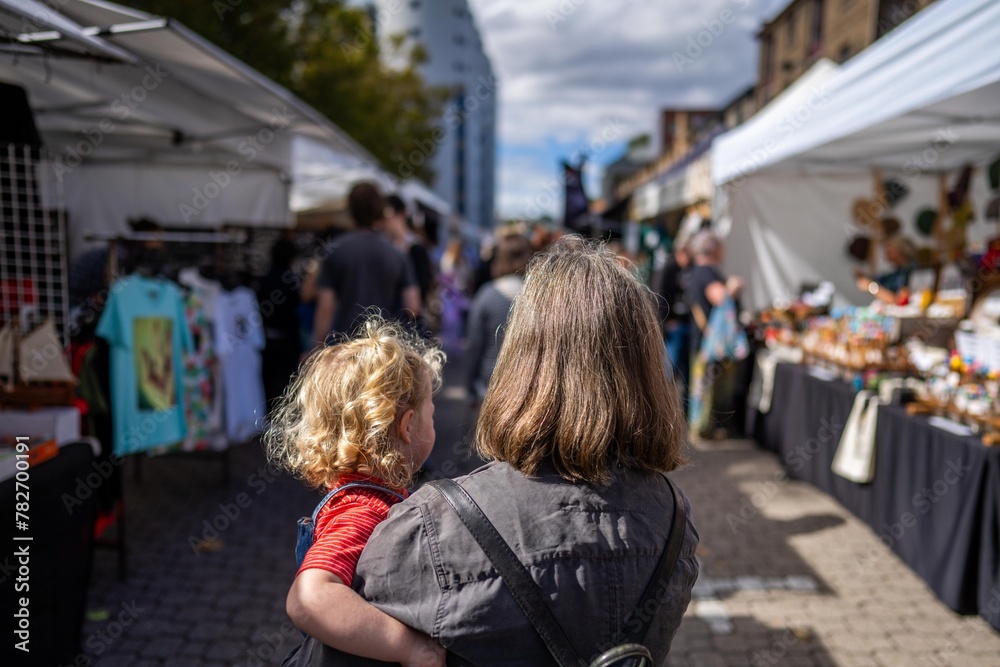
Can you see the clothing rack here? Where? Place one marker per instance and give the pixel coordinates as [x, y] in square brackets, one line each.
[113, 240]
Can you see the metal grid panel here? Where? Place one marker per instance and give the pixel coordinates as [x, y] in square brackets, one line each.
[33, 259]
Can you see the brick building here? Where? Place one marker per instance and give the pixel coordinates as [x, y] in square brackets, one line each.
[807, 30]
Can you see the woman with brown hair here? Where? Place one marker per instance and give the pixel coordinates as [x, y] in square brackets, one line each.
[580, 424]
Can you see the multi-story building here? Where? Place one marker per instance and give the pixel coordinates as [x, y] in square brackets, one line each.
[464, 151]
[807, 30]
[680, 129]
[740, 108]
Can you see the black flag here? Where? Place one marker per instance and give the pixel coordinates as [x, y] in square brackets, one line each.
[577, 205]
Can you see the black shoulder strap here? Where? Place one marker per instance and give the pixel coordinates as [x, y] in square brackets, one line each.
[520, 584]
[651, 600]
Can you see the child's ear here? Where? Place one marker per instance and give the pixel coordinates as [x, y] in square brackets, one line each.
[405, 424]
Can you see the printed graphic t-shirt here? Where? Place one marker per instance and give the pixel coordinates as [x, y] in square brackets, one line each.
[146, 330]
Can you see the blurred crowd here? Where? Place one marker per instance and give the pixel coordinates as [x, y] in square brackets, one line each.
[461, 291]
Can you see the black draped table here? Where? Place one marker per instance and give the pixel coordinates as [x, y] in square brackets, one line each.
[935, 497]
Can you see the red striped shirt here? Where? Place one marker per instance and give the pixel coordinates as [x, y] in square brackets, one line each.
[344, 526]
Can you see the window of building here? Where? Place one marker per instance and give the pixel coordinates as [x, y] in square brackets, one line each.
[893, 12]
[816, 29]
[458, 39]
[414, 4]
[790, 28]
[766, 56]
[458, 11]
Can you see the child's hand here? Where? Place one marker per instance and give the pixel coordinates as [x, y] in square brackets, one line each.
[424, 652]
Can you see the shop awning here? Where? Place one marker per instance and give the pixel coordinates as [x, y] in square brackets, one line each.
[188, 135]
[44, 31]
[932, 83]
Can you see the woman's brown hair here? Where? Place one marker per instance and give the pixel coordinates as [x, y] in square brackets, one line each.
[580, 380]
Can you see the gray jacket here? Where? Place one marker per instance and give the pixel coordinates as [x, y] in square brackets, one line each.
[592, 550]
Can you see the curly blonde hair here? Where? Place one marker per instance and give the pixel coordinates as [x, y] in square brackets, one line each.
[340, 413]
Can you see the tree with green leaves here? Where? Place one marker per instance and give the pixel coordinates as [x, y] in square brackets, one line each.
[328, 54]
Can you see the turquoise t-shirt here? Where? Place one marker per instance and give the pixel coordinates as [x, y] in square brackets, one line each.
[145, 327]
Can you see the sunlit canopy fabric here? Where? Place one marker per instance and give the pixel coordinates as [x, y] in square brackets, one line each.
[939, 70]
[190, 135]
[19, 17]
[922, 101]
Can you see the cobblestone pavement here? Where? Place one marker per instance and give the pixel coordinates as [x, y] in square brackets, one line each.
[209, 566]
[791, 578]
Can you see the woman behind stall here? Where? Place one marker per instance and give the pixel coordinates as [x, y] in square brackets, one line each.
[901, 255]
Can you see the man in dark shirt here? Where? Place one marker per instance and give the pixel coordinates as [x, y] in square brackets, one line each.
[363, 271]
[674, 311]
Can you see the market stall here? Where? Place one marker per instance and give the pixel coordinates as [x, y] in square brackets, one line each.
[918, 106]
[188, 135]
[139, 165]
[878, 182]
[932, 497]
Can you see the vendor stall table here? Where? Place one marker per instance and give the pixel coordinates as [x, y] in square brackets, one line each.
[935, 497]
[60, 553]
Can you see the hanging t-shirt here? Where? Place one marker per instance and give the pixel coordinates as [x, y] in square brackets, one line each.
[145, 327]
[201, 375]
[239, 339]
[207, 292]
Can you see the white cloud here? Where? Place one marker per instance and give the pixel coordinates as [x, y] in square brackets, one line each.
[567, 67]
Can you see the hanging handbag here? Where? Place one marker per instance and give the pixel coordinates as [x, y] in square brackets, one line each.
[629, 652]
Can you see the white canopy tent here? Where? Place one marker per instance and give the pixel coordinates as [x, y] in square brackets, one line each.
[58, 35]
[925, 99]
[189, 136]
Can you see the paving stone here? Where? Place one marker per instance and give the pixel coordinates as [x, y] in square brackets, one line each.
[226, 651]
[115, 660]
[182, 661]
[802, 583]
[163, 647]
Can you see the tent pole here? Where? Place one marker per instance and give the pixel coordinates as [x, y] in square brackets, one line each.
[876, 231]
[943, 213]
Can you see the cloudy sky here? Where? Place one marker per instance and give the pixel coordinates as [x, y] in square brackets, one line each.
[572, 71]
